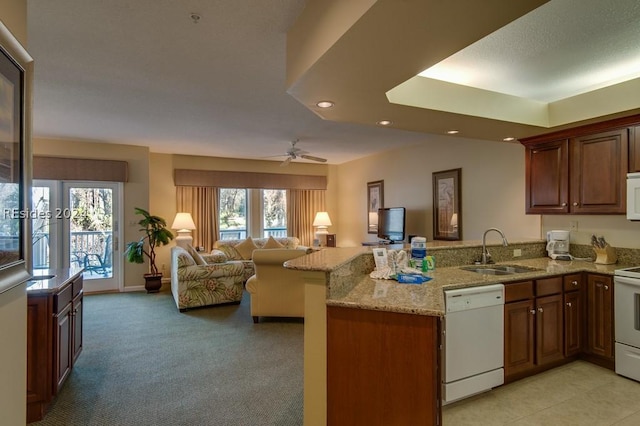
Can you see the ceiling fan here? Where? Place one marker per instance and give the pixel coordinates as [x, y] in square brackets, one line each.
[293, 153]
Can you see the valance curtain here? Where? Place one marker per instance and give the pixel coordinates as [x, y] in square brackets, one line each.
[302, 209]
[202, 203]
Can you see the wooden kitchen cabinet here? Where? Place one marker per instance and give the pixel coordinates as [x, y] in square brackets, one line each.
[581, 170]
[54, 341]
[383, 368]
[600, 332]
[580, 175]
[574, 317]
[534, 327]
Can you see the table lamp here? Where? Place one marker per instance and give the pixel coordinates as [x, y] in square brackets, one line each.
[321, 223]
[184, 224]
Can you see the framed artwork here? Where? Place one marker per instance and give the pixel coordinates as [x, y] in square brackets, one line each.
[15, 91]
[375, 201]
[447, 213]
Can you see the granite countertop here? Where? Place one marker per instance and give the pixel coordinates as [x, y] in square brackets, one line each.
[60, 277]
[428, 298]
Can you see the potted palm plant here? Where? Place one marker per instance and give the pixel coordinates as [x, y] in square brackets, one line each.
[156, 234]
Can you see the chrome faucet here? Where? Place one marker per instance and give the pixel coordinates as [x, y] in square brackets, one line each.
[486, 257]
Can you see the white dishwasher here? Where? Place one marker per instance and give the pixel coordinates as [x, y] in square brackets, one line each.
[473, 341]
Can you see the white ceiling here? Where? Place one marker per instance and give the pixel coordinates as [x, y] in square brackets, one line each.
[562, 49]
[142, 72]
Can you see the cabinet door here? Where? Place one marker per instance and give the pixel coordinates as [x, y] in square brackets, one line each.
[549, 329]
[598, 172]
[77, 326]
[600, 315]
[634, 149]
[547, 177]
[519, 337]
[573, 320]
[38, 353]
[62, 347]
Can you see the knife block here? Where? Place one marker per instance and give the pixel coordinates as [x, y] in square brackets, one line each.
[606, 255]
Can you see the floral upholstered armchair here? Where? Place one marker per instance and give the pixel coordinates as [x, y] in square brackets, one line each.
[204, 280]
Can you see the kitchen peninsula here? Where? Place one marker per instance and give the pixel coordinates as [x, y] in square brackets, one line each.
[371, 347]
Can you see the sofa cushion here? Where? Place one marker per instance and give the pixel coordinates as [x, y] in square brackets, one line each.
[246, 248]
[185, 259]
[230, 251]
[195, 255]
[272, 244]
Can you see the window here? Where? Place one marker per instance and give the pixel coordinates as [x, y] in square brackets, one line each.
[232, 216]
[274, 212]
[259, 213]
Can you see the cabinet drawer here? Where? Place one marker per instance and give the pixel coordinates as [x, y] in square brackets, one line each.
[62, 299]
[572, 282]
[548, 286]
[77, 286]
[518, 291]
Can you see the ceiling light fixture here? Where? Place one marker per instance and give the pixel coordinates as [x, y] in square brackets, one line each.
[385, 122]
[195, 17]
[509, 139]
[324, 104]
[453, 132]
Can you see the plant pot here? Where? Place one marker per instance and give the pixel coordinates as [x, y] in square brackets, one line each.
[152, 282]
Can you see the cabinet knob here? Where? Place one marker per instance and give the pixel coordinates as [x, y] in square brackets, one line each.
[606, 287]
[569, 304]
[574, 283]
[575, 204]
[564, 204]
[533, 311]
[540, 310]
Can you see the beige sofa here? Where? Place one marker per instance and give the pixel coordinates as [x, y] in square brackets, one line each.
[240, 250]
[276, 291]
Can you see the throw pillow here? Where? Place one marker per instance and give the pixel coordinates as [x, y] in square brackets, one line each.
[272, 243]
[246, 248]
[216, 256]
[196, 256]
[230, 251]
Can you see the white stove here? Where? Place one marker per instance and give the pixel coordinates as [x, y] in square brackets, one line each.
[627, 322]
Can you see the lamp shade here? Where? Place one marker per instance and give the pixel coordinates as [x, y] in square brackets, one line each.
[322, 220]
[183, 221]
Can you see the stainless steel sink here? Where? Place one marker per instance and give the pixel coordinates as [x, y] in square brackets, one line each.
[498, 269]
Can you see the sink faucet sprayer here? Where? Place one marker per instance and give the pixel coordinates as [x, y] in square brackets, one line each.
[486, 257]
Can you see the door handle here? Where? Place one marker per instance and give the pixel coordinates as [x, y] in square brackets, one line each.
[569, 304]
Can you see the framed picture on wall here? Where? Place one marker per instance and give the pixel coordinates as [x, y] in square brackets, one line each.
[447, 213]
[375, 201]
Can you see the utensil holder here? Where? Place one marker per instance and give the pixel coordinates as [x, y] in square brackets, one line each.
[606, 255]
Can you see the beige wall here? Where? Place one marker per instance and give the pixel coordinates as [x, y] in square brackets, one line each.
[616, 229]
[492, 188]
[136, 190]
[13, 303]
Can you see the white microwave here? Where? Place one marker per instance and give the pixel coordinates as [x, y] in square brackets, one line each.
[633, 196]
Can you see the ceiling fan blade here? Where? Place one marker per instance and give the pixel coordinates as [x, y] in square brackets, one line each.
[285, 162]
[312, 158]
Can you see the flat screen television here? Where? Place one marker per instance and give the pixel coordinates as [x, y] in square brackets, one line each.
[391, 223]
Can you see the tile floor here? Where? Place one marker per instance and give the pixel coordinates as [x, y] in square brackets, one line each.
[575, 394]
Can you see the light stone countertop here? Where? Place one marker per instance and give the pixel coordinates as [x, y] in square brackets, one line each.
[426, 298]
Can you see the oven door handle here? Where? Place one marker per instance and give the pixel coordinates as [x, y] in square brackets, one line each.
[635, 282]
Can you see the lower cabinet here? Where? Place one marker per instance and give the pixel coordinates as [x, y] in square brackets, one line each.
[600, 337]
[574, 315]
[534, 326]
[382, 368]
[54, 342]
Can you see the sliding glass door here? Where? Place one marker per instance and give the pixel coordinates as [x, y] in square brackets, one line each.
[77, 225]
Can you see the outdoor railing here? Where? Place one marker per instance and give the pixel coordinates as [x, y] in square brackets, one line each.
[238, 234]
[81, 244]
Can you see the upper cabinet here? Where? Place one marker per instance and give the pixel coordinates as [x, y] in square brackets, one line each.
[582, 170]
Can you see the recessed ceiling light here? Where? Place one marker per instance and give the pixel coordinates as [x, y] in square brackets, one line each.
[324, 104]
[385, 122]
[509, 139]
[453, 132]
